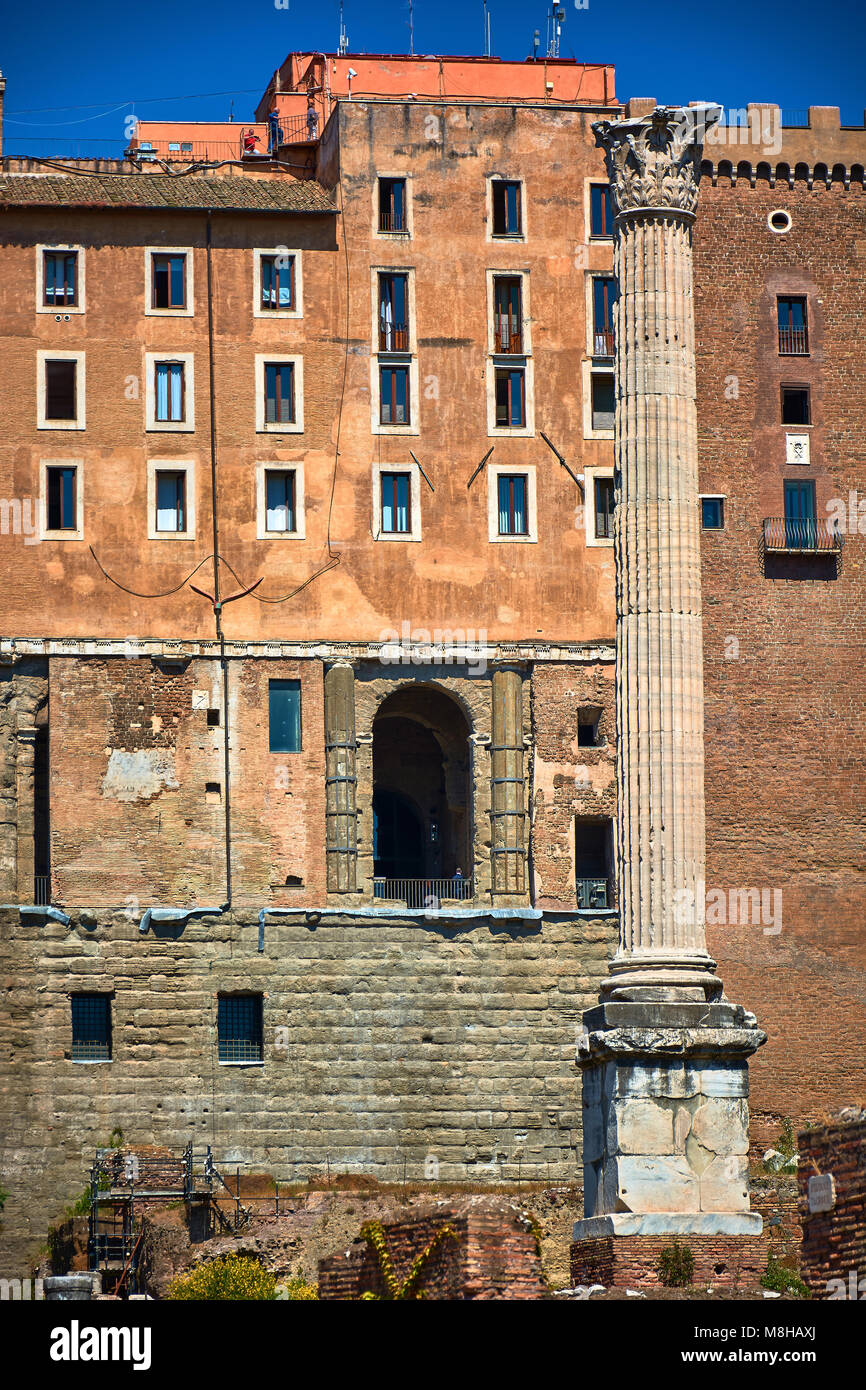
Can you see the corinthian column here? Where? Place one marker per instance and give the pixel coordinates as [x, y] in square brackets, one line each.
[664, 1055]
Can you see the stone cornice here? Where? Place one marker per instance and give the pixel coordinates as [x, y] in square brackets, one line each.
[654, 162]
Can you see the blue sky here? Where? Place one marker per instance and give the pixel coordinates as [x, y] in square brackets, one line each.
[85, 59]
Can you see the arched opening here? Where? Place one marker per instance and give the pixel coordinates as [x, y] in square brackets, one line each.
[422, 801]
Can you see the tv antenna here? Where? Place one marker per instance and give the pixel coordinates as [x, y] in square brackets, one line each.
[487, 28]
[411, 28]
[555, 21]
[344, 37]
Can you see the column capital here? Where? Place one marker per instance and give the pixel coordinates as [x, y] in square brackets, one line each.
[654, 162]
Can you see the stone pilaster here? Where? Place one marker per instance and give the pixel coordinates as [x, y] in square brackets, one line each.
[507, 839]
[26, 788]
[341, 820]
[664, 1056]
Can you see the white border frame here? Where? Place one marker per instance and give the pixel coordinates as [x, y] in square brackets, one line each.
[494, 472]
[779, 231]
[258, 311]
[590, 237]
[49, 355]
[591, 472]
[491, 179]
[589, 369]
[503, 359]
[185, 426]
[280, 466]
[591, 276]
[78, 533]
[279, 427]
[410, 217]
[59, 247]
[189, 283]
[410, 467]
[713, 497]
[169, 465]
[409, 358]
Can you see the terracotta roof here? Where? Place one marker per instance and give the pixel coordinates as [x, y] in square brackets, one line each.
[238, 194]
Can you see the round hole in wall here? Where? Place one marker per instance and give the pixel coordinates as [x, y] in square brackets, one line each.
[779, 220]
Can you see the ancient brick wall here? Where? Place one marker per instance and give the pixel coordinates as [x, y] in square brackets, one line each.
[784, 644]
[834, 1241]
[632, 1261]
[444, 1045]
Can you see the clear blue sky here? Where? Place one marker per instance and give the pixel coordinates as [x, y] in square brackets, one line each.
[96, 55]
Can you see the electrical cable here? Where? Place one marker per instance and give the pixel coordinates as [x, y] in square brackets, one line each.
[134, 592]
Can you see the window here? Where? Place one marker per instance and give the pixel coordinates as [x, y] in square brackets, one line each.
[60, 279]
[240, 1028]
[394, 395]
[170, 392]
[284, 716]
[170, 500]
[60, 388]
[604, 504]
[506, 194]
[587, 727]
[392, 205]
[279, 393]
[277, 283]
[593, 858]
[396, 510]
[510, 397]
[91, 1027]
[393, 313]
[168, 280]
[279, 500]
[600, 211]
[603, 300]
[793, 327]
[712, 513]
[507, 314]
[61, 500]
[603, 400]
[512, 491]
[795, 405]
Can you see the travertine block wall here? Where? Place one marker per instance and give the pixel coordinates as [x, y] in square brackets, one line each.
[405, 1040]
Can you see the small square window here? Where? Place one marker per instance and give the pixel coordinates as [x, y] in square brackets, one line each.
[506, 207]
[60, 389]
[91, 1027]
[61, 499]
[174, 147]
[603, 400]
[213, 718]
[284, 716]
[170, 392]
[60, 279]
[600, 211]
[240, 1028]
[396, 495]
[712, 513]
[280, 393]
[392, 205]
[278, 283]
[512, 504]
[604, 507]
[280, 500]
[394, 395]
[510, 387]
[168, 280]
[795, 405]
[170, 501]
[186, 146]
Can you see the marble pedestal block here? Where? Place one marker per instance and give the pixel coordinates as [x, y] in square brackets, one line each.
[666, 1119]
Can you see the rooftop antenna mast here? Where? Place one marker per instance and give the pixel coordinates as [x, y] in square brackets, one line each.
[411, 29]
[555, 21]
[344, 38]
[487, 49]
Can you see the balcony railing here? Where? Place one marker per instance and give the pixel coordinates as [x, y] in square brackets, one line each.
[423, 892]
[593, 893]
[393, 337]
[392, 221]
[507, 336]
[794, 342]
[42, 890]
[801, 534]
[604, 344]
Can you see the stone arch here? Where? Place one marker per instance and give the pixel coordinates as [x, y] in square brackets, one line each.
[764, 171]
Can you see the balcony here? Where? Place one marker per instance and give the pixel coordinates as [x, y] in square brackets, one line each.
[507, 336]
[593, 893]
[423, 893]
[794, 342]
[392, 221]
[393, 337]
[801, 535]
[603, 342]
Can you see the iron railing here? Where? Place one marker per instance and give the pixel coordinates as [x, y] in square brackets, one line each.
[423, 892]
[593, 893]
[42, 890]
[802, 534]
[604, 344]
[507, 335]
[393, 337]
[794, 342]
[392, 221]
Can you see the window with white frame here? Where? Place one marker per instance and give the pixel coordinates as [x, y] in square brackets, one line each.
[512, 508]
[169, 391]
[59, 279]
[599, 503]
[60, 390]
[394, 361]
[279, 393]
[396, 502]
[168, 281]
[280, 500]
[277, 283]
[510, 398]
[61, 500]
[506, 209]
[171, 499]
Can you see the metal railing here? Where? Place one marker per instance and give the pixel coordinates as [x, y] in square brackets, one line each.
[604, 342]
[393, 337]
[794, 342]
[507, 336]
[42, 890]
[422, 892]
[392, 221]
[593, 893]
[815, 534]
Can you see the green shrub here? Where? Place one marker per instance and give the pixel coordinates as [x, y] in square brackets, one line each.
[232, 1277]
[297, 1290]
[783, 1280]
[676, 1266]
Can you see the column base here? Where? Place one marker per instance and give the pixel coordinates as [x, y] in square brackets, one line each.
[676, 1224]
[625, 1251]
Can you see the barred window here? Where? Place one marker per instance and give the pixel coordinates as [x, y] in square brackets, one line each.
[239, 1028]
[91, 1027]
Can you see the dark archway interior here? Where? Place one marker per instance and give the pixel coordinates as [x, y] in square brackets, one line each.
[421, 786]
